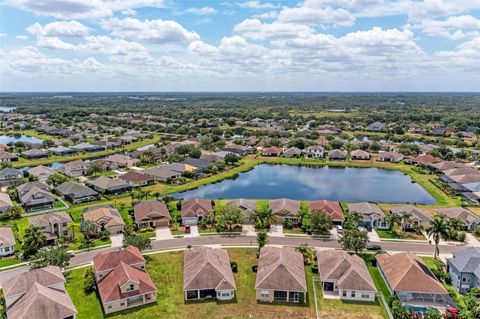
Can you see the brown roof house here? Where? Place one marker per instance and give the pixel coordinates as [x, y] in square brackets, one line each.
[207, 274]
[345, 275]
[74, 169]
[161, 174]
[331, 208]
[285, 208]
[35, 196]
[106, 218]
[7, 241]
[409, 278]
[53, 225]
[122, 280]
[136, 179]
[359, 155]
[280, 275]
[337, 155]
[372, 215]
[393, 157]
[246, 205]
[470, 220]
[38, 293]
[418, 216]
[194, 210]
[41, 172]
[272, 151]
[5, 202]
[110, 186]
[122, 160]
[151, 213]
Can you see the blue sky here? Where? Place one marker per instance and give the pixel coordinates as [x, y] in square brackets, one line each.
[310, 45]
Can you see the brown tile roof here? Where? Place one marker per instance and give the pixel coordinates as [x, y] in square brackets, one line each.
[367, 210]
[349, 270]
[5, 200]
[106, 183]
[407, 272]
[50, 218]
[48, 276]
[109, 286]
[459, 212]
[133, 176]
[196, 206]
[131, 255]
[249, 205]
[447, 165]
[207, 268]
[280, 268]
[284, 206]
[417, 213]
[461, 171]
[6, 237]
[333, 209]
[104, 216]
[150, 209]
[42, 302]
[426, 159]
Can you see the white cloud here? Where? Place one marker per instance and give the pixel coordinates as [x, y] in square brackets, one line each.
[2, 35]
[117, 50]
[466, 54]
[150, 31]
[21, 37]
[59, 29]
[129, 12]
[64, 9]
[201, 11]
[54, 43]
[119, 5]
[256, 5]
[255, 29]
[454, 28]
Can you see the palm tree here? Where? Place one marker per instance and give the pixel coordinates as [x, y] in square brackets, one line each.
[72, 226]
[456, 224]
[393, 219]
[406, 219]
[439, 229]
[34, 240]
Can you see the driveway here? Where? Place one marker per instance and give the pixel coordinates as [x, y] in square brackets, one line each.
[276, 231]
[248, 230]
[117, 240]
[373, 236]
[194, 231]
[163, 233]
[471, 240]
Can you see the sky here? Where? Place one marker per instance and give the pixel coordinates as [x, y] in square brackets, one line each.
[240, 45]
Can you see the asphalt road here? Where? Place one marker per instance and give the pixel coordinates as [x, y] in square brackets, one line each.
[86, 257]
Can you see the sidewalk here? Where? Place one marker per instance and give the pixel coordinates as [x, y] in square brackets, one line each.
[276, 231]
[373, 236]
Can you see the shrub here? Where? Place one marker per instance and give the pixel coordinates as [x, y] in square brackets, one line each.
[254, 268]
[89, 281]
[234, 266]
[461, 236]
[314, 268]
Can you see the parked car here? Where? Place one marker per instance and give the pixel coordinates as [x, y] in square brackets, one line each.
[374, 247]
[339, 229]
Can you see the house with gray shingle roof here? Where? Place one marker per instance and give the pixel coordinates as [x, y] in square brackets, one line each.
[10, 176]
[110, 186]
[372, 215]
[470, 220]
[41, 172]
[464, 269]
[35, 196]
[76, 193]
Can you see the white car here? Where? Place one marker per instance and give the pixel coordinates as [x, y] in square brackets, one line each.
[339, 229]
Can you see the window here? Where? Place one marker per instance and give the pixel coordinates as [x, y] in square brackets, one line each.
[353, 294]
[122, 303]
[365, 295]
[7, 249]
[109, 306]
[344, 293]
[464, 279]
[264, 294]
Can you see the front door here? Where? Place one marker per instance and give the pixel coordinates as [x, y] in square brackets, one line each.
[296, 297]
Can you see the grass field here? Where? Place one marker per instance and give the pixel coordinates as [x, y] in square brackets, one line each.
[166, 270]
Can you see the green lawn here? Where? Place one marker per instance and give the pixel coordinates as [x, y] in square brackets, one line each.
[377, 277]
[166, 270]
[9, 262]
[395, 233]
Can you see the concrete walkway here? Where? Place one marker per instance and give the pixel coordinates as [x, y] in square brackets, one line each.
[276, 231]
[471, 240]
[373, 236]
[193, 231]
[163, 233]
[117, 240]
[249, 230]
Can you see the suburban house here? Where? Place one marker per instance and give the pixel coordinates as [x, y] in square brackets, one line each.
[207, 274]
[280, 275]
[35, 196]
[181, 168]
[7, 241]
[418, 217]
[8, 157]
[74, 169]
[35, 153]
[122, 161]
[464, 269]
[246, 205]
[122, 280]
[272, 151]
[315, 151]
[105, 218]
[61, 150]
[151, 213]
[109, 186]
[285, 208]
[194, 210]
[470, 220]
[359, 155]
[376, 127]
[409, 278]
[345, 276]
[136, 179]
[337, 155]
[161, 174]
[292, 152]
[10, 176]
[87, 147]
[200, 164]
[38, 293]
[424, 160]
[372, 215]
[76, 193]
[53, 225]
[5, 202]
[332, 209]
[393, 157]
[41, 172]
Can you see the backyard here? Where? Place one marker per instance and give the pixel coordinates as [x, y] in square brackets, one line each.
[166, 270]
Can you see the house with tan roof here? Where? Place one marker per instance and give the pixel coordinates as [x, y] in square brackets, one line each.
[123, 161]
[345, 276]
[161, 174]
[74, 169]
[393, 157]
[207, 274]
[331, 208]
[281, 276]
[105, 218]
[246, 205]
[372, 215]
[109, 186]
[409, 278]
[7, 241]
[359, 155]
[418, 216]
[194, 210]
[53, 225]
[151, 213]
[136, 179]
[285, 208]
[5, 202]
[122, 280]
[470, 220]
[38, 293]
[41, 172]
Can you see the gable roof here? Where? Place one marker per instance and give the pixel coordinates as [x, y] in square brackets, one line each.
[207, 268]
[246, 204]
[196, 206]
[106, 183]
[75, 189]
[459, 212]
[42, 302]
[149, 209]
[407, 272]
[49, 218]
[104, 215]
[36, 196]
[284, 206]
[6, 237]
[48, 276]
[5, 200]
[349, 270]
[280, 268]
[130, 255]
[416, 212]
[41, 170]
[467, 260]
[333, 209]
[25, 188]
[109, 286]
[133, 176]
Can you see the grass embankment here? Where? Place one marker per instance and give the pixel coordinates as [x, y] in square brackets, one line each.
[166, 270]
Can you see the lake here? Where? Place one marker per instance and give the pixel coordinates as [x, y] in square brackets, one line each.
[7, 109]
[347, 184]
[5, 139]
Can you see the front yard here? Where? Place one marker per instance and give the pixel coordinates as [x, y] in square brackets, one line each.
[166, 270]
[396, 233]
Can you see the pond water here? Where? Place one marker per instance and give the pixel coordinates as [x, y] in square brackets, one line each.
[313, 183]
[5, 139]
[7, 108]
